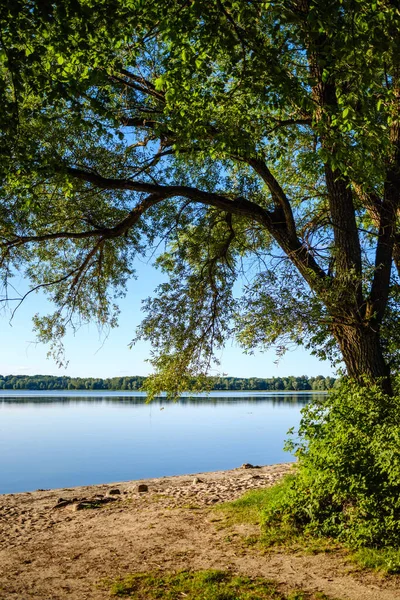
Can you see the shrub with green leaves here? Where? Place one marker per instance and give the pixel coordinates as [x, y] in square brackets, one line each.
[348, 480]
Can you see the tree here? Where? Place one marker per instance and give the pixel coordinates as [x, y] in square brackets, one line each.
[254, 139]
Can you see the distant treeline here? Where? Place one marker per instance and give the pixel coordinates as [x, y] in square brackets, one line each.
[50, 382]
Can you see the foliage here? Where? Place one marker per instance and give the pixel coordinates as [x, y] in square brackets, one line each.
[347, 484]
[207, 585]
[267, 507]
[50, 382]
[260, 166]
[256, 506]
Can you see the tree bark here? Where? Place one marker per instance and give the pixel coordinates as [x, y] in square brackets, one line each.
[362, 353]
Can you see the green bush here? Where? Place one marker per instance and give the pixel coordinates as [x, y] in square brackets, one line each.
[347, 484]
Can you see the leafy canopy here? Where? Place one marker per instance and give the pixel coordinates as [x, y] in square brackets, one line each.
[198, 128]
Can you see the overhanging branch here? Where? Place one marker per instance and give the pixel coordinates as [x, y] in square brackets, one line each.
[272, 221]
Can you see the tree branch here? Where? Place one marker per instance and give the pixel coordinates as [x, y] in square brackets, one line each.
[278, 195]
[102, 232]
[272, 221]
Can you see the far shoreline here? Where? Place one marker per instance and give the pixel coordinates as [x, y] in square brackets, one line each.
[163, 396]
[137, 383]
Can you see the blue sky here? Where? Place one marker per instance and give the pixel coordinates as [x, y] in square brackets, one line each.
[91, 354]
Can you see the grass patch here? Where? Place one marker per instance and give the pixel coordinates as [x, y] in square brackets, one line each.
[385, 560]
[202, 585]
[246, 509]
[256, 507]
[264, 507]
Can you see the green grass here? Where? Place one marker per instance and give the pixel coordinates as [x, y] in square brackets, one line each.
[202, 585]
[258, 507]
[386, 560]
[246, 509]
[251, 509]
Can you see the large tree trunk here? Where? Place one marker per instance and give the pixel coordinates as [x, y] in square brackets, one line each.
[362, 353]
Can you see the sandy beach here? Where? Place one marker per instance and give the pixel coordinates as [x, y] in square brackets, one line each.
[63, 544]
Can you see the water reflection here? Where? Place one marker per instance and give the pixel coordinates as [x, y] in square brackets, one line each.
[284, 398]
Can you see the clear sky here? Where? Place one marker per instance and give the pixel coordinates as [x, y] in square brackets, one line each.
[90, 355]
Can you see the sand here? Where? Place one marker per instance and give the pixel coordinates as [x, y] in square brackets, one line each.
[63, 544]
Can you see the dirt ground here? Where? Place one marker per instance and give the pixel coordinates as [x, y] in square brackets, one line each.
[61, 544]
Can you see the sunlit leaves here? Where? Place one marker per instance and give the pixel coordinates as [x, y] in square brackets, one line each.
[190, 93]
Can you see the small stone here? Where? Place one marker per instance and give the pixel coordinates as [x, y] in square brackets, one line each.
[197, 480]
[61, 500]
[62, 503]
[113, 492]
[77, 506]
[142, 487]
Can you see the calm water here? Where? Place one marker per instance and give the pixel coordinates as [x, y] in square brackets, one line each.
[63, 439]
